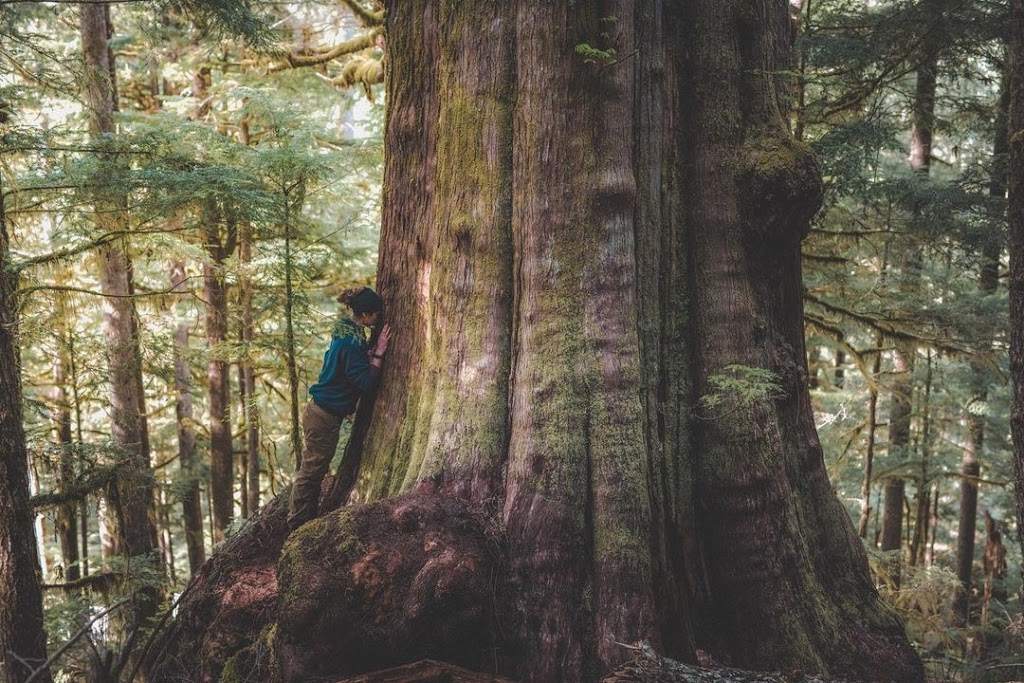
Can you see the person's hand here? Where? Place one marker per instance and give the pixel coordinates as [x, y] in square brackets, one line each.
[383, 340]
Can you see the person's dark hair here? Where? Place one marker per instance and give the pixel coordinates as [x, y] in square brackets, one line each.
[361, 300]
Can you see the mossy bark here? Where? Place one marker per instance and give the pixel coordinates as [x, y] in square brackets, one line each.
[22, 636]
[591, 212]
[219, 235]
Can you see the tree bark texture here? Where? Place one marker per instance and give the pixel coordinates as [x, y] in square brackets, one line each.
[219, 233]
[248, 380]
[922, 498]
[22, 637]
[67, 513]
[128, 419]
[191, 501]
[592, 218]
[988, 282]
[1016, 223]
[869, 454]
[289, 339]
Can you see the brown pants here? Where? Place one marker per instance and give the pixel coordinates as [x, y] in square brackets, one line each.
[320, 430]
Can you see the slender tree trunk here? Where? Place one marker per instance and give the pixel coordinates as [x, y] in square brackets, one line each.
[1016, 221]
[243, 463]
[248, 378]
[22, 637]
[988, 281]
[67, 514]
[83, 520]
[219, 234]
[134, 495]
[900, 411]
[289, 337]
[83, 504]
[839, 375]
[869, 456]
[922, 498]
[934, 524]
[167, 536]
[901, 406]
[995, 561]
[191, 501]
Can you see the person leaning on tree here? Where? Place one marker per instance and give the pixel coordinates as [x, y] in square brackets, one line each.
[351, 370]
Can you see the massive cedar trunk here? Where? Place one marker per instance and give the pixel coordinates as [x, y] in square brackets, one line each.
[1016, 215]
[134, 494]
[219, 232]
[590, 256]
[191, 502]
[628, 213]
[21, 615]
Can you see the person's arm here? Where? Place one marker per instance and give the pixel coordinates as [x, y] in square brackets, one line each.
[363, 368]
[360, 370]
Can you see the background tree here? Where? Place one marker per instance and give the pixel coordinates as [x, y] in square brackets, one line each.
[1016, 176]
[21, 621]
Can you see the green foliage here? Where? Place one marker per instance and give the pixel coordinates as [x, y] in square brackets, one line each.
[739, 387]
[593, 55]
[284, 152]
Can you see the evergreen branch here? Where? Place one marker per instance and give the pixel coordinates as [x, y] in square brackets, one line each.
[81, 290]
[366, 17]
[95, 480]
[362, 42]
[100, 241]
[839, 334]
[102, 582]
[824, 258]
[25, 73]
[886, 326]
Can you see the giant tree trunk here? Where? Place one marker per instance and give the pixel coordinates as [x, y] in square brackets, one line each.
[628, 219]
[128, 419]
[591, 261]
[21, 615]
[1016, 215]
[219, 231]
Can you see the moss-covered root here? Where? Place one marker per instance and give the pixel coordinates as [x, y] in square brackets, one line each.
[388, 583]
[229, 601]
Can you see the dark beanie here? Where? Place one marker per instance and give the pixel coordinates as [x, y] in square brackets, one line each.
[362, 300]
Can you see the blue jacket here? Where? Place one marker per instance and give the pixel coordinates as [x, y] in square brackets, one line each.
[347, 373]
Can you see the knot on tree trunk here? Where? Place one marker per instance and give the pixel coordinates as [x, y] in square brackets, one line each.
[781, 187]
